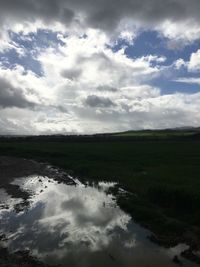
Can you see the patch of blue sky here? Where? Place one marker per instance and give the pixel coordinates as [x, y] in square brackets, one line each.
[31, 44]
[11, 58]
[150, 42]
[172, 86]
[40, 39]
[168, 84]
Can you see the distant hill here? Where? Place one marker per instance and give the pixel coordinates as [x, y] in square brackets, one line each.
[192, 133]
[180, 131]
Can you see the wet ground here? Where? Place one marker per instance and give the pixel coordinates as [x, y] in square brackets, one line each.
[50, 218]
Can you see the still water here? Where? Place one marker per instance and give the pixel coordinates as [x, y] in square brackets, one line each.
[78, 225]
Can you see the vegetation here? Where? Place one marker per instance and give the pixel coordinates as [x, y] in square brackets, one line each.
[163, 175]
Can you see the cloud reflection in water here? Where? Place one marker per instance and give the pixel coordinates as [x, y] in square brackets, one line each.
[79, 226]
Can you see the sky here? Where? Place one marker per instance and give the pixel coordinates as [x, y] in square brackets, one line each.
[83, 67]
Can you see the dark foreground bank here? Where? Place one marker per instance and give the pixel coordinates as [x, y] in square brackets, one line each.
[163, 175]
[50, 218]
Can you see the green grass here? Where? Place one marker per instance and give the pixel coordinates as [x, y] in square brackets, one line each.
[165, 175]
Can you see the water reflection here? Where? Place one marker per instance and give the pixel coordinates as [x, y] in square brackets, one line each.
[75, 225]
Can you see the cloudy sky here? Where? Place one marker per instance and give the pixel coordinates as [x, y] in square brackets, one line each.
[86, 66]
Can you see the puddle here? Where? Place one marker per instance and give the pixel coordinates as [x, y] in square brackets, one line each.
[78, 225]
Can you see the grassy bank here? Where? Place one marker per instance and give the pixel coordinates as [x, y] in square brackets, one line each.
[164, 176]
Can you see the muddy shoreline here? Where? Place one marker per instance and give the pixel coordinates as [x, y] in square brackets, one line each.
[10, 169]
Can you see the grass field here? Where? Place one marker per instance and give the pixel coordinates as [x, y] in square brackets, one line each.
[163, 174]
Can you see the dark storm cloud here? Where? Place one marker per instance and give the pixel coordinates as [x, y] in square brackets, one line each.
[46, 10]
[98, 101]
[106, 88]
[104, 14]
[12, 97]
[71, 74]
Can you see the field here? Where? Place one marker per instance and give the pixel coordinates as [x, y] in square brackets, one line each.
[162, 175]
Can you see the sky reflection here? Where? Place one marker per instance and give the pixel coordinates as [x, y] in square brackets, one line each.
[80, 226]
